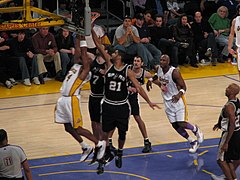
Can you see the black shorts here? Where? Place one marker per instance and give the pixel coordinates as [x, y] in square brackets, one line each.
[94, 107]
[115, 116]
[233, 152]
[133, 100]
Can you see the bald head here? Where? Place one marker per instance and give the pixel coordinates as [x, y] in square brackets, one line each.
[198, 17]
[166, 57]
[235, 88]
[3, 136]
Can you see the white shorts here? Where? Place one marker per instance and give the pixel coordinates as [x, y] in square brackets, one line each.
[220, 154]
[68, 110]
[176, 112]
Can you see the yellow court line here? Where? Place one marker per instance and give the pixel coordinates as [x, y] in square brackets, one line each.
[202, 153]
[129, 147]
[207, 172]
[90, 171]
[195, 162]
[132, 155]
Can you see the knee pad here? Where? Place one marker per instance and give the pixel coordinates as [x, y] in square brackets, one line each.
[175, 125]
[122, 135]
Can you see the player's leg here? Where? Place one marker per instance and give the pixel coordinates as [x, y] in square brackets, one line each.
[110, 143]
[135, 111]
[225, 168]
[87, 149]
[94, 111]
[77, 122]
[141, 125]
[176, 118]
[194, 128]
[122, 121]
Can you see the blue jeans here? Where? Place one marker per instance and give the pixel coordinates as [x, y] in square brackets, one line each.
[223, 41]
[156, 53]
[136, 48]
[24, 69]
[65, 60]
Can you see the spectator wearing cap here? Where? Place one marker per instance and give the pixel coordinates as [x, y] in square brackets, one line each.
[145, 39]
[21, 48]
[127, 39]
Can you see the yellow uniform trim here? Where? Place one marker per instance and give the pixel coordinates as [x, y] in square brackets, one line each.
[76, 113]
[75, 86]
[186, 109]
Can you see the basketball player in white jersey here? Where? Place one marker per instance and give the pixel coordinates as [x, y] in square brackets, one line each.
[173, 89]
[235, 30]
[12, 160]
[68, 111]
[115, 106]
[228, 156]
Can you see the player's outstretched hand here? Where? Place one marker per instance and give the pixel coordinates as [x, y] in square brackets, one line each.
[215, 127]
[153, 105]
[149, 85]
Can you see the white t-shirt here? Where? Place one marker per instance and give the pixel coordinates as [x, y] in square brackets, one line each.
[100, 33]
[11, 158]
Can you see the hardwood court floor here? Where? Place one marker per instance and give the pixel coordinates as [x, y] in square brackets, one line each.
[27, 112]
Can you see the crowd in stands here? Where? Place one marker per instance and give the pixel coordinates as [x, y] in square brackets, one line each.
[181, 29]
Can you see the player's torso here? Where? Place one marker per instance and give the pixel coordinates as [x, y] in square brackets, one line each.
[225, 118]
[97, 78]
[168, 86]
[116, 84]
[72, 84]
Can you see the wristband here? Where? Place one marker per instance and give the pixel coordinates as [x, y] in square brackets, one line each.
[182, 90]
[83, 43]
[150, 79]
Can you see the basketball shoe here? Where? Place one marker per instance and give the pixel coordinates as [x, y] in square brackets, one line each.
[86, 152]
[147, 147]
[194, 146]
[199, 135]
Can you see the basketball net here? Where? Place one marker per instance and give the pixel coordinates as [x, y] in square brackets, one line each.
[94, 16]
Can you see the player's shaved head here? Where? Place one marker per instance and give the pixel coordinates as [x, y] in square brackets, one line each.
[166, 57]
[3, 135]
[235, 88]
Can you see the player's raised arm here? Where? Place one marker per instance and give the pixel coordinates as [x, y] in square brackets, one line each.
[231, 37]
[81, 51]
[140, 90]
[100, 48]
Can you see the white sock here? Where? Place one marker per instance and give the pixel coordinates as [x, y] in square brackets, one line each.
[99, 143]
[190, 139]
[83, 144]
[194, 128]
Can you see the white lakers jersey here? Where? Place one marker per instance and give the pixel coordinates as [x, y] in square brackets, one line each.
[168, 86]
[237, 31]
[72, 84]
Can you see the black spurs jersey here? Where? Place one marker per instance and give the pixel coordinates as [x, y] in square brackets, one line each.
[115, 90]
[97, 79]
[139, 77]
[224, 121]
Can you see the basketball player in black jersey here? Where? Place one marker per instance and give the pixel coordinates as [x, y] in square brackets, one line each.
[97, 69]
[228, 156]
[115, 106]
[140, 74]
